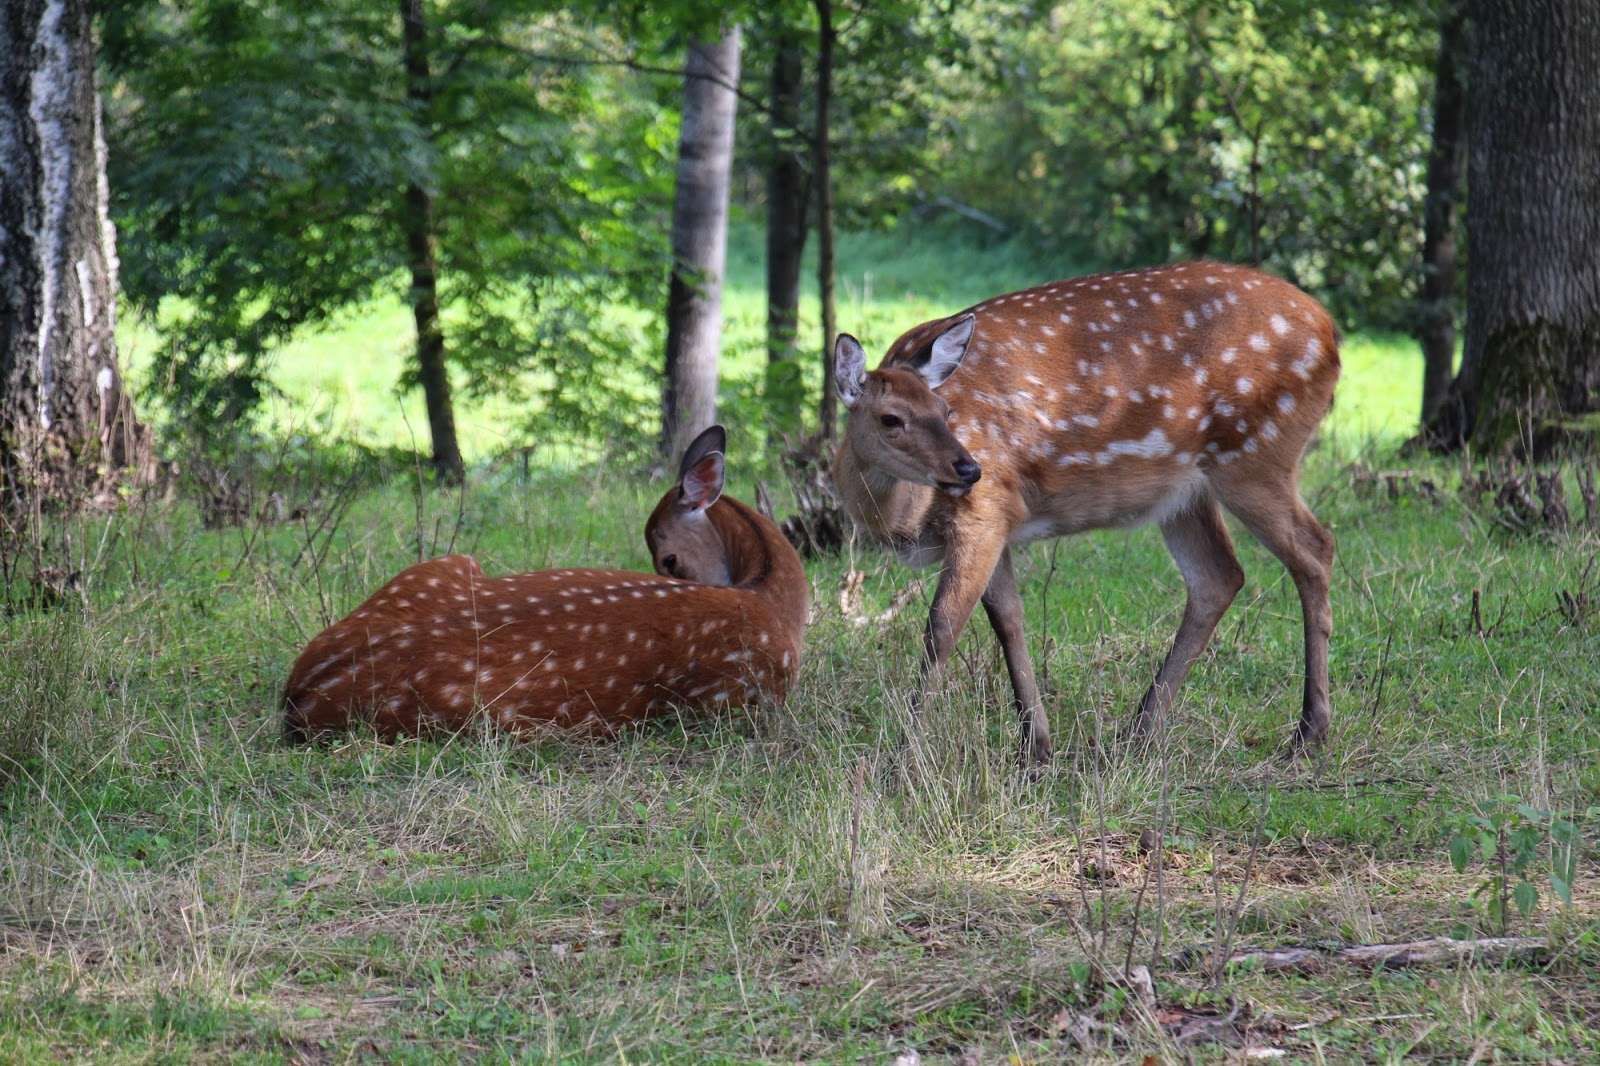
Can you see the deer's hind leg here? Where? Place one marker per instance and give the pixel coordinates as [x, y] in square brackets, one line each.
[1199, 543]
[1271, 508]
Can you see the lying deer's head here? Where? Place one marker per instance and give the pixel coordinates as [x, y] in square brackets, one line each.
[683, 541]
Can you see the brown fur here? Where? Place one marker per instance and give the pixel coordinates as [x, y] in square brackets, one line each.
[584, 651]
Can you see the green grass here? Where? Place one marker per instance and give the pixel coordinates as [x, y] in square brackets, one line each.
[175, 886]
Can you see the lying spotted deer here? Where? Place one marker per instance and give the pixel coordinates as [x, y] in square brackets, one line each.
[442, 645]
[1158, 395]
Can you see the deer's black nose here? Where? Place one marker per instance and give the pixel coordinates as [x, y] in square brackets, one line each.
[968, 471]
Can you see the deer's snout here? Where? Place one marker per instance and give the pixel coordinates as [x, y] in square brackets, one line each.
[966, 473]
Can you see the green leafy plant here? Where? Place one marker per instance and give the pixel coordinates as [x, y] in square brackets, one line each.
[1513, 837]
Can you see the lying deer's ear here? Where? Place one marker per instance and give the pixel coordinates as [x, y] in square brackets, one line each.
[702, 483]
[947, 352]
[849, 369]
[711, 439]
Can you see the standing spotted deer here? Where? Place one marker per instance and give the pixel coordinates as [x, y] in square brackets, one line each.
[588, 651]
[1160, 395]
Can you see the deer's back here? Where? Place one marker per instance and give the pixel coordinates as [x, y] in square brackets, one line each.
[1107, 399]
[576, 649]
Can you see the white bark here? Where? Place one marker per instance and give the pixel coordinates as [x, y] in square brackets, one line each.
[65, 424]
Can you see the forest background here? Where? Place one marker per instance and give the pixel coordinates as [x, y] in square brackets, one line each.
[394, 282]
[258, 160]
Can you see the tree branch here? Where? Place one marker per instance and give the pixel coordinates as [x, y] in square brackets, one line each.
[625, 62]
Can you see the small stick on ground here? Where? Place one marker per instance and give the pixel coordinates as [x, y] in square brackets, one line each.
[1434, 951]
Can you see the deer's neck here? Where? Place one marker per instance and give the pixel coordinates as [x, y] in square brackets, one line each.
[762, 561]
[892, 511]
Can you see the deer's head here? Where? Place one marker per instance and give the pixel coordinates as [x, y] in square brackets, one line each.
[683, 541]
[898, 425]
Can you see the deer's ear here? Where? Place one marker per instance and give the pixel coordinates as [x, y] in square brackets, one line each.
[711, 439]
[849, 369]
[700, 478]
[702, 483]
[948, 349]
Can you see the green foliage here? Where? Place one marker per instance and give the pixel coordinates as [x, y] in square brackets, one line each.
[260, 157]
[260, 152]
[1286, 132]
[902, 70]
[1513, 838]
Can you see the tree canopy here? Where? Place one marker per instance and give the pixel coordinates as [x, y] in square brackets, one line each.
[261, 153]
[260, 156]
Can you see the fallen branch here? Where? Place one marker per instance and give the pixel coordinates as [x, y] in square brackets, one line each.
[1429, 952]
[850, 599]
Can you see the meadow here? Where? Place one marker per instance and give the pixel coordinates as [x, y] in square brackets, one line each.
[176, 886]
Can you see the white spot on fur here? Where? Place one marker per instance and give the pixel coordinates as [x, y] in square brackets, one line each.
[1153, 445]
[1303, 365]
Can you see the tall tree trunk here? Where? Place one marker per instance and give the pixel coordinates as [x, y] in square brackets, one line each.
[422, 257]
[787, 199]
[828, 414]
[67, 429]
[1531, 362]
[699, 242]
[1436, 305]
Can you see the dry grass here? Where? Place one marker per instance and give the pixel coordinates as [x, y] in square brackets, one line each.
[174, 886]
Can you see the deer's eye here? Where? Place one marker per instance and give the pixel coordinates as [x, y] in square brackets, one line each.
[890, 422]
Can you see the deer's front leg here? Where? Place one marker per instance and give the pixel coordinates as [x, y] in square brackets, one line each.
[971, 558]
[1003, 604]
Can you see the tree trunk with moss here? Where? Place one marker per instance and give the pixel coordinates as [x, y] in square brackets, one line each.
[1530, 374]
[68, 433]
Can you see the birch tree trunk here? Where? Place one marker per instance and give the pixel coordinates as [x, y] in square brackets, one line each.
[68, 433]
[699, 242]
